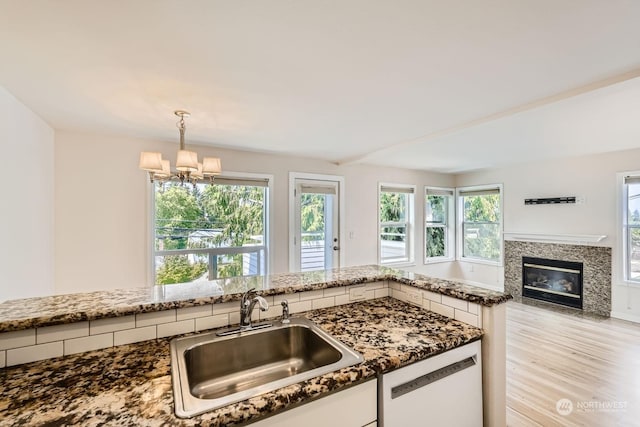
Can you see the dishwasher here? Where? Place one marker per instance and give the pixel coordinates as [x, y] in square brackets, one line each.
[441, 391]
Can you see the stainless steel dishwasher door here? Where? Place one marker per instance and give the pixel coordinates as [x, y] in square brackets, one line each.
[442, 391]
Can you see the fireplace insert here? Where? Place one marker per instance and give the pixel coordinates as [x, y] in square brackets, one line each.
[551, 280]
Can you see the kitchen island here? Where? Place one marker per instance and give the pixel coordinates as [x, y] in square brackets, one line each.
[131, 384]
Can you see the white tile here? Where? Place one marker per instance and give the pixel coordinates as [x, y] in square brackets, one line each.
[323, 302]
[369, 294]
[134, 335]
[277, 299]
[445, 310]
[466, 317]
[234, 318]
[311, 295]
[399, 295]
[34, 353]
[375, 285]
[193, 312]
[227, 307]
[16, 339]
[62, 332]
[455, 303]
[273, 312]
[112, 324]
[332, 292]
[3, 359]
[297, 307]
[176, 328]
[474, 308]
[155, 318]
[426, 304]
[343, 299]
[380, 293]
[394, 285]
[211, 322]
[432, 296]
[357, 293]
[93, 342]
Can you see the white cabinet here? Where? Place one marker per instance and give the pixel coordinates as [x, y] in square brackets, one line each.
[444, 390]
[353, 407]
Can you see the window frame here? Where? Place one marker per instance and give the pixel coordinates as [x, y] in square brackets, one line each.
[409, 224]
[624, 227]
[460, 211]
[268, 221]
[449, 226]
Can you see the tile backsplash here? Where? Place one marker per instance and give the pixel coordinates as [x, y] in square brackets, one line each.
[47, 342]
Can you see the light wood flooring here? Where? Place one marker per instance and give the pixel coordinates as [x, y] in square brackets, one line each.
[594, 362]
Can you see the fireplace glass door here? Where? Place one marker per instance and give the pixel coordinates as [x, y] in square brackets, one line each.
[553, 281]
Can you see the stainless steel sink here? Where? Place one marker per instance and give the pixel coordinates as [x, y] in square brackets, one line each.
[209, 371]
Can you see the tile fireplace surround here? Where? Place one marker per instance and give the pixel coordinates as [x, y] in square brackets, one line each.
[597, 269]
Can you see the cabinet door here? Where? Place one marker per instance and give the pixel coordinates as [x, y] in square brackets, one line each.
[353, 407]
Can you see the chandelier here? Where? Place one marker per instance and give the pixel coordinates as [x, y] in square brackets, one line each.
[188, 169]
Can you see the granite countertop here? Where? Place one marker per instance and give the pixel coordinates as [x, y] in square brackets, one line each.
[59, 309]
[131, 384]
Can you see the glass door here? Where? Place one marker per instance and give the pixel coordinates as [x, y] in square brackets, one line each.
[316, 240]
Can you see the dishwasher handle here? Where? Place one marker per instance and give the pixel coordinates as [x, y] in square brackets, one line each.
[431, 377]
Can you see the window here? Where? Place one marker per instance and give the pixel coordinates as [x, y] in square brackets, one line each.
[480, 224]
[631, 227]
[210, 231]
[438, 227]
[395, 214]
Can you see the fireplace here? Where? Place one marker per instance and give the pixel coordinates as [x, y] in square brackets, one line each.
[553, 281]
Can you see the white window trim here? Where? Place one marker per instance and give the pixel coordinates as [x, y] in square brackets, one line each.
[621, 260]
[451, 227]
[410, 226]
[151, 270]
[292, 209]
[459, 228]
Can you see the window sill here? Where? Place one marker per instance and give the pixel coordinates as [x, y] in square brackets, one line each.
[480, 261]
[399, 264]
[438, 260]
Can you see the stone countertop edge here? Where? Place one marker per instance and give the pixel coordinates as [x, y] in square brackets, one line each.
[29, 313]
[131, 384]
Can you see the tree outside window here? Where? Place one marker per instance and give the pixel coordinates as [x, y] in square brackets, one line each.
[438, 232]
[395, 213]
[481, 224]
[203, 224]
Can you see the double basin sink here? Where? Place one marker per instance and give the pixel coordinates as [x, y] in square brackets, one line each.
[210, 371]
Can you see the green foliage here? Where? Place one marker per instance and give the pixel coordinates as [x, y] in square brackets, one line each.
[203, 217]
[435, 241]
[178, 269]
[312, 214]
[393, 208]
[481, 228]
[436, 213]
[177, 213]
[235, 210]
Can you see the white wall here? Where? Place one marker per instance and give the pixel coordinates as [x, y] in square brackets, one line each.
[102, 218]
[27, 210]
[590, 177]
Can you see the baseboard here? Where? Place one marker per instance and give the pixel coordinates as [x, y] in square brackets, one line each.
[625, 316]
[496, 288]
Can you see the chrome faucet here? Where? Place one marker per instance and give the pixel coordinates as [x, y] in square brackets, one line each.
[285, 311]
[247, 304]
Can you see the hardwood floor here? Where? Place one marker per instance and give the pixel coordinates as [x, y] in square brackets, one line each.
[594, 362]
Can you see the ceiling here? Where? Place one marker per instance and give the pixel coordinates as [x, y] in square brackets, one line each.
[447, 86]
